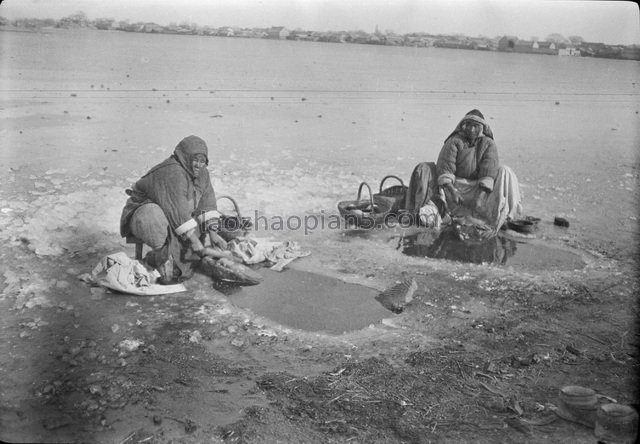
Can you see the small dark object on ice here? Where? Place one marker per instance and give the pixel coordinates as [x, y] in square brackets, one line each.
[190, 426]
[396, 297]
[157, 420]
[522, 226]
[561, 222]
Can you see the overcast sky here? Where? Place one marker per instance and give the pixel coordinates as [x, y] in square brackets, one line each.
[614, 22]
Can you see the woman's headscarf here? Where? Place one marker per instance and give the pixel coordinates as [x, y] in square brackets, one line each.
[474, 116]
[187, 149]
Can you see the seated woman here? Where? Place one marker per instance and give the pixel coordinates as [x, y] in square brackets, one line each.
[467, 180]
[169, 209]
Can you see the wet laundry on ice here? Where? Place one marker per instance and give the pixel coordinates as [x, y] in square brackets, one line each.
[120, 273]
[256, 250]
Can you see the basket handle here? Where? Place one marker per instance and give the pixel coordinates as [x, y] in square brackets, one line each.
[370, 193]
[235, 204]
[390, 177]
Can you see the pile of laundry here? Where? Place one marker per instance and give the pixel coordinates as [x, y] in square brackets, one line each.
[119, 272]
[256, 250]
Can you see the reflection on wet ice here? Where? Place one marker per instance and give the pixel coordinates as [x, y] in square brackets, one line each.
[447, 245]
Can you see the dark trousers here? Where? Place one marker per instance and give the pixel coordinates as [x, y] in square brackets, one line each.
[423, 187]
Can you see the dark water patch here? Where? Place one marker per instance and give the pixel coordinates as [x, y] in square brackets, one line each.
[499, 250]
[309, 301]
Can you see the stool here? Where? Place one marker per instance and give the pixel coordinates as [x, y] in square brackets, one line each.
[131, 239]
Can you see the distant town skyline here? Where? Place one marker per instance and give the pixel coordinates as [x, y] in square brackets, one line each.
[612, 22]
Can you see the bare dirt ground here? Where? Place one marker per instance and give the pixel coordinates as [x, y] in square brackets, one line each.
[478, 355]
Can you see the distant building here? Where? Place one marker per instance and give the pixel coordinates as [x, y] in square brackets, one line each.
[513, 44]
[545, 48]
[151, 27]
[574, 52]
[631, 53]
[590, 49]
[454, 43]
[278, 33]
[507, 43]
[525, 46]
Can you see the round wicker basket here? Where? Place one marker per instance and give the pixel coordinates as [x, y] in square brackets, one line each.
[365, 213]
[395, 192]
[233, 227]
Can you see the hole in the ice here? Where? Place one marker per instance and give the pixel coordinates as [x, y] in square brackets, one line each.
[309, 301]
[500, 250]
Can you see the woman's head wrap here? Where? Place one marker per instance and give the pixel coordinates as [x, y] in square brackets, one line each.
[473, 116]
[188, 148]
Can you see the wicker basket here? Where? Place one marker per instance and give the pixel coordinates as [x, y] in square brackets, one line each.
[395, 192]
[365, 213]
[233, 227]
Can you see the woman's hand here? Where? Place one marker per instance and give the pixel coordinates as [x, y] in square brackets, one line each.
[216, 240]
[218, 253]
[453, 195]
[480, 201]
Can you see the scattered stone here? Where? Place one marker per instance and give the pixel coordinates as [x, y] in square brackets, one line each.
[130, 345]
[195, 337]
[491, 367]
[571, 349]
